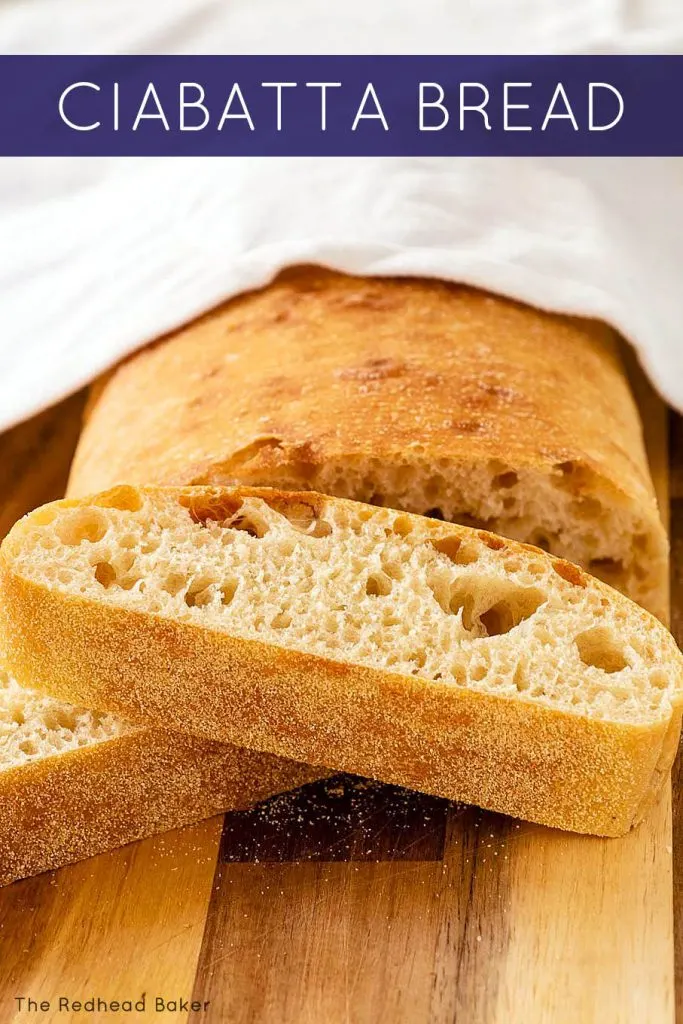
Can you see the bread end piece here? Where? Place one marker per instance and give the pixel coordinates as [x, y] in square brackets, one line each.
[63, 806]
[421, 395]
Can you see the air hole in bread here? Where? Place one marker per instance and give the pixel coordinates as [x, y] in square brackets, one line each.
[199, 594]
[495, 607]
[521, 678]
[318, 528]
[60, 717]
[198, 600]
[573, 476]
[478, 673]
[123, 562]
[659, 679]
[402, 526]
[124, 498]
[105, 574]
[460, 552]
[505, 480]
[174, 583]
[497, 619]
[44, 516]
[128, 582]
[227, 592]
[282, 620]
[435, 513]
[362, 516]
[459, 675]
[321, 529]
[303, 516]
[569, 572]
[515, 606]
[82, 525]
[419, 659]
[378, 584]
[541, 540]
[462, 600]
[214, 506]
[598, 648]
[491, 540]
[392, 567]
[249, 522]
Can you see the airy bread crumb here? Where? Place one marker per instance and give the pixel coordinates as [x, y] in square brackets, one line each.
[363, 585]
[34, 726]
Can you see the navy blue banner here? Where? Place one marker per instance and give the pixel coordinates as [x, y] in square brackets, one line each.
[341, 106]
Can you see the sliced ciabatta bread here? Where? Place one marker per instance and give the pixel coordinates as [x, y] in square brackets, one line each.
[415, 394]
[358, 638]
[74, 783]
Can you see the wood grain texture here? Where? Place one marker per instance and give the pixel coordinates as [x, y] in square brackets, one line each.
[35, 458]
[116, 926]
[356, 937]
[362, 905]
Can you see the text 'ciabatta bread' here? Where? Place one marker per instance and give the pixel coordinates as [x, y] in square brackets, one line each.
[74, 782]
[414, 394]
[362, 639]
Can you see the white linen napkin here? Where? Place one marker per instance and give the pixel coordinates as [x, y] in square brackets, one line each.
[98, 257]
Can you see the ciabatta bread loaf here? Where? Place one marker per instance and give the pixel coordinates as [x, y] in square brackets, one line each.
[74, 783]
[356, 638]
[419, 395]
[182, 387]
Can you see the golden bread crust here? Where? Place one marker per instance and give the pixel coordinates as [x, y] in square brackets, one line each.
[60, 809]
[320, 369]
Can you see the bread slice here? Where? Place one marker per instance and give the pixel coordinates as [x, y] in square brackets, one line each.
[74, 783]
[419, 395]
[362, 639]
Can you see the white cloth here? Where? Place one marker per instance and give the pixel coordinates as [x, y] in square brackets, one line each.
[99, 257]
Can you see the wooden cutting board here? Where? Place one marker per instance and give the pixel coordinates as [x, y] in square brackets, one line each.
[347, 902]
